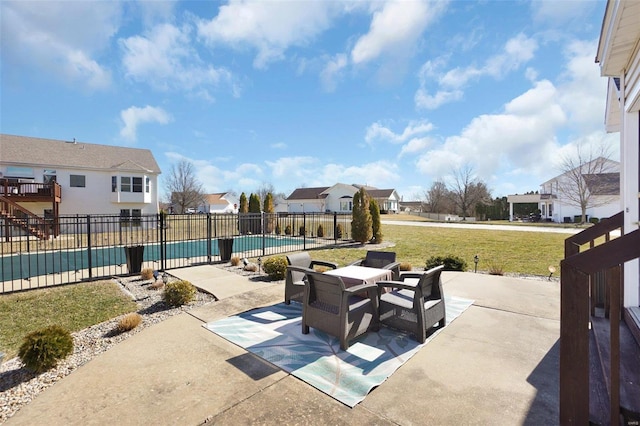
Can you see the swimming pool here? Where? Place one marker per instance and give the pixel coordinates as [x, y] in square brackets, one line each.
[25, 265]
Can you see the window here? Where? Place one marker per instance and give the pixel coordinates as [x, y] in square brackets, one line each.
[346, 206]
[125, 184]
[132, 217]
[49, 176]
[114, 184]
[77, 181]
[147, 184]
[137, 184]
[130, 184]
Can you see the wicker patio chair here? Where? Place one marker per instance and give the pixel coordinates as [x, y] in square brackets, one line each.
[413, 306]
[382, 260]
[300, 264]
[331, 307]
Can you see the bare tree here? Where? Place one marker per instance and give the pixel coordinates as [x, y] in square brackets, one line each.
[589, 179]
[183, 188]
[437, 197]
[264, 189]
[466, 191]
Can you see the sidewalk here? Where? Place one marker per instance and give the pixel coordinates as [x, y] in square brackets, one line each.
[496, 364]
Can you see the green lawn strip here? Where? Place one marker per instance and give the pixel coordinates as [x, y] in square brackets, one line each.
[513, 251]
[73, 307]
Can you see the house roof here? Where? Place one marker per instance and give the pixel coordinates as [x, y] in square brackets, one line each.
[308, 193]
[217, 199]
[603, 183]
[29, 151]
[380, 193]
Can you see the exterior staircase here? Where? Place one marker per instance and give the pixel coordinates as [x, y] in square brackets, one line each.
[599, 348]
[14, 214]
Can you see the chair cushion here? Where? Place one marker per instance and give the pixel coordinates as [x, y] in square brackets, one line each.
[402, 298]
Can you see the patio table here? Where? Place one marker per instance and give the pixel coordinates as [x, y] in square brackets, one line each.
[355, 275]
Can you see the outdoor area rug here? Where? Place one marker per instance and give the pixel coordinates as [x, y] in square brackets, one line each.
[274, 333]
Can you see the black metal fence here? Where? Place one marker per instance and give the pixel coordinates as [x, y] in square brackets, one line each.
[97, 246]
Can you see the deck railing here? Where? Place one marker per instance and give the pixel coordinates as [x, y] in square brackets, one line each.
[594, 250]
[18, 216]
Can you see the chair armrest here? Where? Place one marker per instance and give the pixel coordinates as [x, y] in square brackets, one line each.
[331, 265]
[299, 269]
[410, 274]
[397, 284]
[392, 265]
[356, 263]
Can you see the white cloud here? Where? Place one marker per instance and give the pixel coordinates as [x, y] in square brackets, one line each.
[395, 29]
[332, 71]
[381, 174]
[377, 131]
[133, 116]
[556, 13]
[269, 27]
[516, 52]
[60, 39]
[165, 59]
[293, 168]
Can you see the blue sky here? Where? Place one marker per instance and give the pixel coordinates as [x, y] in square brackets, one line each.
[392, 94]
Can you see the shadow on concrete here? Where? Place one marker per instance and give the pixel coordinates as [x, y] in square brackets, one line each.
[546, 379]
[253, 366]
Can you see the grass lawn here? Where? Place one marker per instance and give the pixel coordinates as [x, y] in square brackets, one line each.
[511, 251]
[73, 307]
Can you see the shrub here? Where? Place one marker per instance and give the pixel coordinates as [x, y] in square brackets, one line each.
[339, 231]
[235, 261]
[129, 322]
[278, 229]
[42, 349]
[146, 274]
[450, 262]
[594, 220]
[275, 267]
[302, 231]
[287, 230]
[178, 293]
[406, 266]
[320, 231]
[495, 269]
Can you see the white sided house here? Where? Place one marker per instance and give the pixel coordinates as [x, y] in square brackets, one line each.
[48, 178]
[222, 202]
[338, 199]
[558, 199]
[619, 58]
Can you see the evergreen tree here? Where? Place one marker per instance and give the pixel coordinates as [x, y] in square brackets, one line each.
[244, 208]
[361, 224]
[269, 217]
[254, 212]
[376, 226]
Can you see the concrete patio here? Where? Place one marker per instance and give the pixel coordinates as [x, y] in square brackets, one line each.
[496, 364]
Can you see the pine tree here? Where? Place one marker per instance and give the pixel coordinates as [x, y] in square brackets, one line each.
[243, 220]
[254, 212]
[269, 217]
[376, 226]
[361, 225]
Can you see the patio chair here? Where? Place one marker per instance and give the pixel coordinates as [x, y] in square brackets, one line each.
[331, 307]
[415, 304]
[382, 260]
[300, 264]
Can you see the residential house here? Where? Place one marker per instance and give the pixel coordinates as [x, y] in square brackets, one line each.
[222, 202]
[599, 375]
[338, 198]
[48, 178]
[556, 205]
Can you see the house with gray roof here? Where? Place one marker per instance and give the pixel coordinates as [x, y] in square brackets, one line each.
[338, 198]
[47, 177]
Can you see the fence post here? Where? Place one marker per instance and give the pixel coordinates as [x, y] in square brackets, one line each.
[304, 227]
[163, 246]
[262, 223]
[89, 263]
[335, 228]
[209, 238]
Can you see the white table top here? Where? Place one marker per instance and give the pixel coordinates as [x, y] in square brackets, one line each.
[354, 275]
